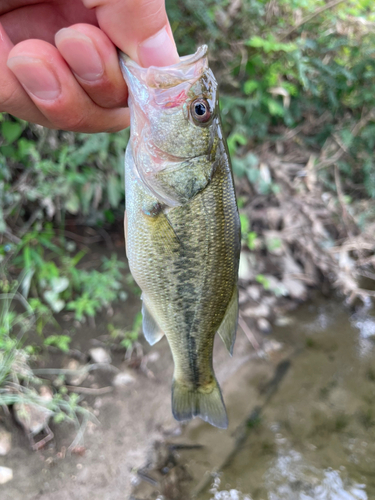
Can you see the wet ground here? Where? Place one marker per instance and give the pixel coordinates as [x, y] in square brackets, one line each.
[302, 424]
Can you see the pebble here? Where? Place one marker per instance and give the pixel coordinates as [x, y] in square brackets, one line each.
[99, 355]
[260, 311]
[123, 378]
[284, 321]
[296, 289]
[264, 325]
[5, 442]
[78, 377]
[253, 292]
[6, 475]
[246, 271]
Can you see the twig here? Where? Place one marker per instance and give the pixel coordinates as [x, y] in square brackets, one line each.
[343, 150]
[12, 237]
[86, 240]
[145, 477]
[30, 222]
[311, 16]
[249, 334]
[340, 195]
[90, 390]
[79, 436]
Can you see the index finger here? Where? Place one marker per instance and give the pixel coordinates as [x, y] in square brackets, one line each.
[140, 28]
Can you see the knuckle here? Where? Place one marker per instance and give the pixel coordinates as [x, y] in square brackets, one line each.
[70, 122]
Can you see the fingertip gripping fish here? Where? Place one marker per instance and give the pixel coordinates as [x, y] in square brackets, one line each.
[182, 225]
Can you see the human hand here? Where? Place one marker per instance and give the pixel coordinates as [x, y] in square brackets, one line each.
[59, 64]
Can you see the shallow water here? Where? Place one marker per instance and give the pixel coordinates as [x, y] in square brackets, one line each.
[315, 438]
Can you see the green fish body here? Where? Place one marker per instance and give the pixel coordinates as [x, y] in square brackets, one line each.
[182, 224]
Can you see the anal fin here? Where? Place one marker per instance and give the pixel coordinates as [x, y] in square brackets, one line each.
[151, 329]
[228, 327]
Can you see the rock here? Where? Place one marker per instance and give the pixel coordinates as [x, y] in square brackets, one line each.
[246, 269]
[34, 416]
[123, 378]
[296, 289]
[80, 374]
[260, 311]
[272, 284]
[242, 297]
[99, 355]
[284, 321]
[6, 475]
[5, 441]
[290, 266]
[264, 325]
[253, 292]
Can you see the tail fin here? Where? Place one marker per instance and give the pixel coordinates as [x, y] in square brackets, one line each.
[209, 406]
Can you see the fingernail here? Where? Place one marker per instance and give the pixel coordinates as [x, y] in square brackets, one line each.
[35, 76]
[80, 53]
[158, 50]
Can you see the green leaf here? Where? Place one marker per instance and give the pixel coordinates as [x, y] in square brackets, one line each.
[72, 204]
[113, 189]
[11, 131]
[250, 86]
[275, 108]
[245, 224]
[60, 341]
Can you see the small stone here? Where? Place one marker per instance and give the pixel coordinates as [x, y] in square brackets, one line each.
[272, 346]
[79, 373]
[123, 378]
[296, 289]
[5, 441]
[153, 357]
[284, 321]
[242, 297]
[253, 292]
[6, 475]
[259, 311]
[246, 271]
[99, 355]
[264, 325]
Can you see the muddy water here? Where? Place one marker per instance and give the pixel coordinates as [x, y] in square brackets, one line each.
[301, 422]
[314, 437]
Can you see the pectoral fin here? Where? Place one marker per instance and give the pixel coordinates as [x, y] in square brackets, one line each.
[151, 329]
[228, 327]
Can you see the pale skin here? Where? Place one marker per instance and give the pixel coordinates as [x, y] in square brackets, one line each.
[58, 59]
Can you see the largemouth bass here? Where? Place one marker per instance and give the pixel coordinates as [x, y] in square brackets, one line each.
[182, 226]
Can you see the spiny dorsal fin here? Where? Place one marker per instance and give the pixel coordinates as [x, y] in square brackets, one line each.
[228, 327]
[151, 329]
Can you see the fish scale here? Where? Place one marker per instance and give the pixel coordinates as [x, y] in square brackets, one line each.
[183, 231]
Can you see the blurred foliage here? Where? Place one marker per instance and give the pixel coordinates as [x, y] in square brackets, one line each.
[18, 384]
[45, 177]
[281, 63]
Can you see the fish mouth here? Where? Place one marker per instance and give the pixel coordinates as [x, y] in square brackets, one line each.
[189, 68]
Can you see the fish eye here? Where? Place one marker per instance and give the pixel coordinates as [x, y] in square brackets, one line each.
[200, 110]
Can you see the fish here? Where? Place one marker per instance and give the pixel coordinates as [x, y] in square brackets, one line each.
[182, 227]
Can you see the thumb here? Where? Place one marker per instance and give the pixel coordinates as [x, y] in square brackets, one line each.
[140, 28]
